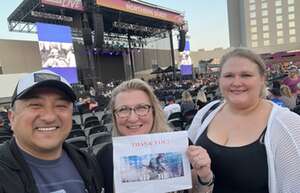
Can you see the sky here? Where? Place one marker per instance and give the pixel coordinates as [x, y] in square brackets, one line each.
[207, 21]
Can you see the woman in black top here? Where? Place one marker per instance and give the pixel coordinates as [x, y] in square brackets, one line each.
[136, 110]
[234, 136]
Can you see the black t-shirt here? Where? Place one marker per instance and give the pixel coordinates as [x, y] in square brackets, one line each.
[237, 169]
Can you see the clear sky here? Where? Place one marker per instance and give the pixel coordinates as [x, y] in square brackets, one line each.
[207, 19]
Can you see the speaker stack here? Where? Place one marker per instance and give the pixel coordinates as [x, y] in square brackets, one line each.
[87, 36]
[99, 30]
[181, 45]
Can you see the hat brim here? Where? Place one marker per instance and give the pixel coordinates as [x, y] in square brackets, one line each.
[49, 84]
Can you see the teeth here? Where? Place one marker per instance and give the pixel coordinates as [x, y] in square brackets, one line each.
[46, 128]
[134, 127]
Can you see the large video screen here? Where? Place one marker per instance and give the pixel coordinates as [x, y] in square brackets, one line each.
[57, 51]
[186, 69]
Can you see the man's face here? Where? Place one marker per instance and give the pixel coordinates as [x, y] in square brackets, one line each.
[41, 122]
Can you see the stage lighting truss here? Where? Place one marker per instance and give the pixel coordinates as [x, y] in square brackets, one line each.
[143, 31]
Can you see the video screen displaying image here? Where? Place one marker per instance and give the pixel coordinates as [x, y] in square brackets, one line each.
[147, 167]
[56, 50]
[186, 69]
[57, 54]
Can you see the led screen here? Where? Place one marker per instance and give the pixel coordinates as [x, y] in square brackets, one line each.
[56, 50]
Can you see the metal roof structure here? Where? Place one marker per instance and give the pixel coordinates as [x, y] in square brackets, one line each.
[133, 17]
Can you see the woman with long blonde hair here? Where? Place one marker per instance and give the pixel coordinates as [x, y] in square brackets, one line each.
[287, 97]
[187, 103]
[137, 111]
[201, 99]
[248, 138]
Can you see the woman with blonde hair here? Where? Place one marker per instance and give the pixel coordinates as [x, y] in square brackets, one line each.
[248, 138]
[201, 99]
[287, 97]
[187, 103]
[136, 111]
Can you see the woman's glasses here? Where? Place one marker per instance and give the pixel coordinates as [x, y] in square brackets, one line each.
[140, 110]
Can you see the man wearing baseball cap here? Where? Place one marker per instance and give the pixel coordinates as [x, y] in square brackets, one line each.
[36, 159]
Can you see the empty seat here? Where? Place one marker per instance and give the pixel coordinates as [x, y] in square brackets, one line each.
[189, 115]
[103, 135]
[176, 115]
[90, 118]
[76, 126]
[88, 129]
[176, 124]
[74, 121]
[92, 123]
[76, 133]
[79, 142]
[97, 129]
[109, 126]
[100, 141]
[106, 118]
[4, 138]
[176, 121]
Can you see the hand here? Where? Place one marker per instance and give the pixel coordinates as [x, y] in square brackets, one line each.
[200, 161]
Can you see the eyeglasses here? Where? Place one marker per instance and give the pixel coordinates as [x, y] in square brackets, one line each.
[140, 110]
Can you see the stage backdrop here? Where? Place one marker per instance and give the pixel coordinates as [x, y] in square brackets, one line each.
[56, 49]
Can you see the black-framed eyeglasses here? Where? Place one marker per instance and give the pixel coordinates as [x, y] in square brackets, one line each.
[140, 110]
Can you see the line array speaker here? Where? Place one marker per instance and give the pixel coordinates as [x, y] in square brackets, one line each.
[181, 45]
[87, 36]
[99, 30]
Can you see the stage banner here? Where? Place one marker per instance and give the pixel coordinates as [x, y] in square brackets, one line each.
[56, 50]
[69, 4]
[186, 65]
[142, 9]
[151, 163]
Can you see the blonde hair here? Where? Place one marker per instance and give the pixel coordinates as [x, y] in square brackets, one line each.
[159, 120]
[286, 91]
[201, 96]
[186, 97]
[250, 55]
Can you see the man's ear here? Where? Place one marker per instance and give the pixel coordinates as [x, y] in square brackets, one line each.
[11, 117]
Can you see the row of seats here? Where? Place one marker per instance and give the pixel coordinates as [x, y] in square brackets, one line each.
[179, 122]
[92, 134]
[5, 131]
[93, 143]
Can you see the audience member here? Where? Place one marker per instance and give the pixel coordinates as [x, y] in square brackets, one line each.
[171, 107]
[253, 143]
[275, 96]
[287, 97]
[37, 159]
[136, 110]
[187, 103]
[201, 99]
[293, 79]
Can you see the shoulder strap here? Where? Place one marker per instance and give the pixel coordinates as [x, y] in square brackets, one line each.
[213, 107]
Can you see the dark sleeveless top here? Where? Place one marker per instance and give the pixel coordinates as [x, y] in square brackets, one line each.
[241, 169]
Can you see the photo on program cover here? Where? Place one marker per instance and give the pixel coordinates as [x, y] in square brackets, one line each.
[160, 166]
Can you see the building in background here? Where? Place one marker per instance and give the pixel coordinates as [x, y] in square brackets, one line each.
[266, 26]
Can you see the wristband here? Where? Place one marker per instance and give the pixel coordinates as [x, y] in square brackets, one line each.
[209, 183]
